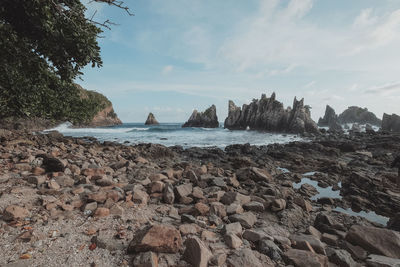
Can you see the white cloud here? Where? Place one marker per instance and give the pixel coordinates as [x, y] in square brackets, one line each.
[167, 69]
[385, 89]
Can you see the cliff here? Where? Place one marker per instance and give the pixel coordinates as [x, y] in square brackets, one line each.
[359, 115]
[206, 119]
[268, 114]
[99, 110]
[390, 123]
[151, 120]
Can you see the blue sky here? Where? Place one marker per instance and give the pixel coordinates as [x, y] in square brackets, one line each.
[174, 56]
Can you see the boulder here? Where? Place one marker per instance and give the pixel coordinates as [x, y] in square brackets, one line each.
[375, 240]
[151, 120]
[382, 261]
[157, 238]
[391, 123]
[196, 253]
[303, 258]
[359, 115]
[246, 257]
[14, 212]
[268, 114]
[246, 219]
[206, 119]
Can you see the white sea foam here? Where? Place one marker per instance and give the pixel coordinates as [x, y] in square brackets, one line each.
[65, 128]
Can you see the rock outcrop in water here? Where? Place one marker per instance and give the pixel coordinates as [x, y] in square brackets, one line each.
[151, 120]
[391, 123]
[330, 120]
[359, 115]
[206, 119]
[268, 114]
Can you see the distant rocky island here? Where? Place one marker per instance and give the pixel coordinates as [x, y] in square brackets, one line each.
[268, 114]
[151, 120]
[352, 114]
[206, 119]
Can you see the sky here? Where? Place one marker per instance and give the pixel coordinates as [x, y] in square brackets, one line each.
[174, 56]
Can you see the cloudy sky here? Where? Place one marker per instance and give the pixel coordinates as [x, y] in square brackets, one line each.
[174, 56]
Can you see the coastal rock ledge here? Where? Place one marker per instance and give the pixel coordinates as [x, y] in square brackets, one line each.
[268, 114]
[151, 120]
[206, 119]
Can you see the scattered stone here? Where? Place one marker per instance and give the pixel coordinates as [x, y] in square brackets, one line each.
[278, 205]
[146, 259]
[342, 258]
[254, 206]
[233, 241]
[233, 228]
[302, 258]
[382, 261]
[375, 240]
[140, 197]
[168, 194]
[157, 238]
[218, 209]
[231, 197]
[102, 212]
[196, 252]
[247, 219]
[14, 212]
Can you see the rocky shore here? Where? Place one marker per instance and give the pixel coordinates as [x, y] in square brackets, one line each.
[77, 202]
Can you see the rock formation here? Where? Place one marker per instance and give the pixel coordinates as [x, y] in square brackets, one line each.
[105, 117]
[268, 114]
[330, 120]
[206, 119]
[151, 120]
[359, 115]
[391, 123]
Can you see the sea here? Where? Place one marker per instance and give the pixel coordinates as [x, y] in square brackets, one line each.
[172, 134]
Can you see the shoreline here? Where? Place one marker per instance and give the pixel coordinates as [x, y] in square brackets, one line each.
[81, 202]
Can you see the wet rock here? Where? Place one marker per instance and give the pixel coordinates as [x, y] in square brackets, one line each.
[233, 241]
[302, 258]
[255, 174]
[157, 238]
[146, 259]
[247, 219]
[196, 252]
[375, 240]
[14, 212]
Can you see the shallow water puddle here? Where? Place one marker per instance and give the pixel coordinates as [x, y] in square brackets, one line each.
[322, 192]
[328, 192]
[369, 215]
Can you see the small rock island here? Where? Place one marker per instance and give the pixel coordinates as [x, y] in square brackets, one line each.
[151, 120]
[206, 119]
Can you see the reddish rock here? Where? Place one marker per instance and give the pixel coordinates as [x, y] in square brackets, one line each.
[14, 212]
[202, 208]
[157, 238]
[102, 212]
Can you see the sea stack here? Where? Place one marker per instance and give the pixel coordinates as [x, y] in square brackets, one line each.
[268, 114]
[391, 123]
[206, 119]
[330, 120]
[151, 120]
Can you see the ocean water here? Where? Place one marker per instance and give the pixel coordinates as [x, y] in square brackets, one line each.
[171, 134]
